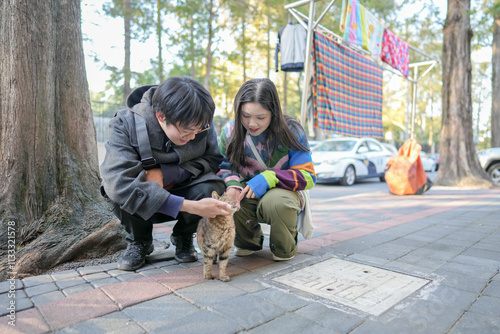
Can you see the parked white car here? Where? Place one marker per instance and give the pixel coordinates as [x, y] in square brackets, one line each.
[391, 148]
[428, 163]
[347, 159]
[490, 161]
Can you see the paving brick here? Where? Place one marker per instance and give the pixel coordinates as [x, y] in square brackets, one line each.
[331, 318]
[6, 286]
[90, 270]
[488, 306]
[64, 274]
[109, 266]
[179, 279]
[103, 282]
[96, 276]
[160, 312]
[23, 303]
[77, 308]
[284, 299]
[128, 276]
[135, 291]
[467, 269]
[394, 326]
[252, 310]
[249, 282]
[37, 280]
[493, 289]
[152, 272]
[70, 281]
[250, 262]
[147, 266]
[209, 293]
[27, 321]
[47, 298]
[289, 323]
[206, 322]
[73, 290]
[117, 322]
[462, 281]
[41, 289]
[477, 323]
[439, 308]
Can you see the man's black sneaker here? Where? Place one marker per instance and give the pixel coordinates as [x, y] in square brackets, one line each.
[134, 256]
[184, 248]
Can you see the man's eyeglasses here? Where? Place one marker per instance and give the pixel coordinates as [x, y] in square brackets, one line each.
[185, 134]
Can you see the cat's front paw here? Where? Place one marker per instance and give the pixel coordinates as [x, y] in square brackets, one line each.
[225, 278]
[208, 276]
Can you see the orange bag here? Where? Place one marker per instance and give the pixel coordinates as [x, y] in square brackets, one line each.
[406, 175]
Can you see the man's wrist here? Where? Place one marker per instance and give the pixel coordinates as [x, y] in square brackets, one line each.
[187, 206]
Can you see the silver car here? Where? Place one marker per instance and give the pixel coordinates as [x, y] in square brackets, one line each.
[490, 161]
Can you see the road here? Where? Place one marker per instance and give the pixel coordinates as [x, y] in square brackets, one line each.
[335, 190]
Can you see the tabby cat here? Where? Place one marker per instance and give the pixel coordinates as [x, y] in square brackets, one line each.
[215, 237]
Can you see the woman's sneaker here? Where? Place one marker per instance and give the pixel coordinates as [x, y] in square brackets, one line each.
[276, 258]
[242, 251]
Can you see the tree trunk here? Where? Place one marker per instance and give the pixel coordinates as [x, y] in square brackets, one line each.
[209, 44]
[192, 53]
[459, 165]
[49, 196]
[244, 48]
[159, 33]
[127, 72]
[268, 10]
[495, 87]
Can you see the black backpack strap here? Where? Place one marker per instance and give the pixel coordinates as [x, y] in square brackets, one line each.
[148, 162]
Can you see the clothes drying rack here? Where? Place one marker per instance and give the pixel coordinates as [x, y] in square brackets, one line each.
[313, 24]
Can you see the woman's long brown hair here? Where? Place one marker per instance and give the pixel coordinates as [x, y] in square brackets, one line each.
[262, 91]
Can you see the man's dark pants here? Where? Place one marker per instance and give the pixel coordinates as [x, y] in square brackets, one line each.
[141, 230]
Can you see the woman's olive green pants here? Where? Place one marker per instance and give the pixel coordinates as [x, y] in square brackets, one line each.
[278, 208]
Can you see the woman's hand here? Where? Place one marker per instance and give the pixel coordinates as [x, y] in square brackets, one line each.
[247, 192]
[234, 193]
[206, 207]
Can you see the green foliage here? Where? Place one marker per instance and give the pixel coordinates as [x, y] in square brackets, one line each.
[244, 39]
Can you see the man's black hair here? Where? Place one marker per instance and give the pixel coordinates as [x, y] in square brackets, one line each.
[184, 101]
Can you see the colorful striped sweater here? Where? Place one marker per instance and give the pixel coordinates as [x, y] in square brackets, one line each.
[291, 170]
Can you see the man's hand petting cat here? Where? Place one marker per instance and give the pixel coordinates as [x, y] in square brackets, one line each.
[206, 207]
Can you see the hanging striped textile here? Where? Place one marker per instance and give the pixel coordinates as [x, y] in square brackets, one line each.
[348, 90]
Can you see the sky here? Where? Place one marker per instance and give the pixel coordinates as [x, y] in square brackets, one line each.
[103, 37]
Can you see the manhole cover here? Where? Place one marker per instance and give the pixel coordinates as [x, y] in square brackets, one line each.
[368, 289]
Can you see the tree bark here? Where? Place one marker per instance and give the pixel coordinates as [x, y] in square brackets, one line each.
[495, 87]
[459, 165]
[159, 33]
[48, 151]
[127, 72]
[210, 38]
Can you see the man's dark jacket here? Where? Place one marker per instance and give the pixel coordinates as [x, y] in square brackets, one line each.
[123, 177]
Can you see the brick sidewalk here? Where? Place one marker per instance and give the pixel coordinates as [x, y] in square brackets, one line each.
[447, 236]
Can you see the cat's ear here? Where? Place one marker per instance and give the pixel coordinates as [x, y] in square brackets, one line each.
[215, 195]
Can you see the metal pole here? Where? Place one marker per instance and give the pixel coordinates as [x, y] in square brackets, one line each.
[305, 91]
[414, 105]
[298, 3]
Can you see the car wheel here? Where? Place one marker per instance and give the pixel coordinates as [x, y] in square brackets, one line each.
[349, 176]
[494, 172]
[382, 178]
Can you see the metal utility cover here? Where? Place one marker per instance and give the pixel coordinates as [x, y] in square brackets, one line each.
[368, 289]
